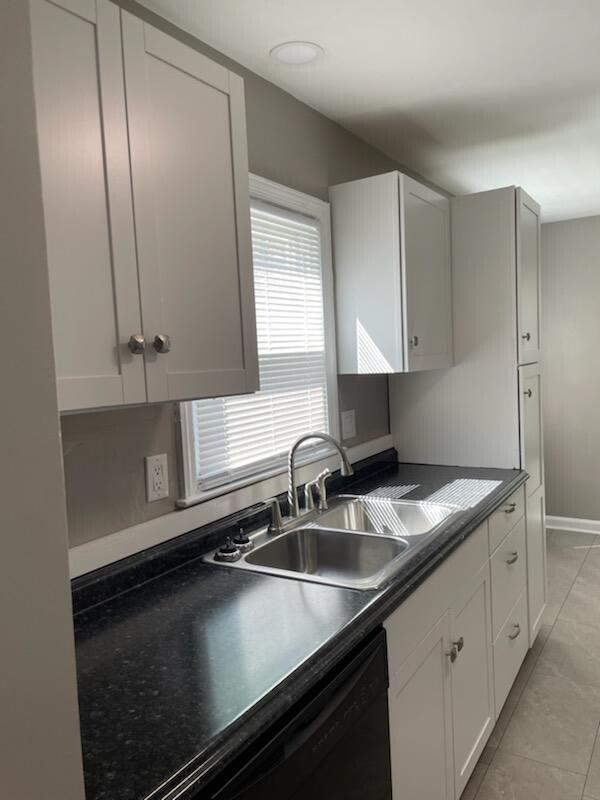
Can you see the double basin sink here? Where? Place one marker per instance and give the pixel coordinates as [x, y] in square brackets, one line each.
[360, 542]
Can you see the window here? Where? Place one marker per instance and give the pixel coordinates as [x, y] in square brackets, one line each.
[229, 441]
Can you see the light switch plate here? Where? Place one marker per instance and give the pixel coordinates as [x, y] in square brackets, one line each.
[348, 424]
[157, 477]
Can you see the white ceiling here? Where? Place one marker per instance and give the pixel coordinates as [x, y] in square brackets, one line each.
[473, 94]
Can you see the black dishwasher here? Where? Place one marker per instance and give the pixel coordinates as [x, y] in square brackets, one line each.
[335, 745]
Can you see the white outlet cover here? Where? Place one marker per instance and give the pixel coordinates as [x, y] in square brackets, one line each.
[157, 477]
[348, 424]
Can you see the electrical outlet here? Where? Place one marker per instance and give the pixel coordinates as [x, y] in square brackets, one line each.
[348, 424]
[157, 477]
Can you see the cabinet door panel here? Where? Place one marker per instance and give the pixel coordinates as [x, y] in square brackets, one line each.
[536, 561]
[528, 272]
[427, 290]
[190, 187]
[420, 721]
[532, 446]
[472, 677]
[87, 202]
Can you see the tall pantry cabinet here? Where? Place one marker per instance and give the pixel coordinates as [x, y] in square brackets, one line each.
[487, 410]
[143, 160]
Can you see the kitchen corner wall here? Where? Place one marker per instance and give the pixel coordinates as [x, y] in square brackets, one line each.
[571, 330]
[289, 143]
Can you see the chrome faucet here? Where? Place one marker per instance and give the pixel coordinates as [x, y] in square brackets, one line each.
[345, 467]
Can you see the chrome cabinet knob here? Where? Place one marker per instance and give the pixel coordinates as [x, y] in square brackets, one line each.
[161, 343]
[527, 392]
[453, 653]
[137, 344]
[414, 340]
[526, 336]
[517, 628]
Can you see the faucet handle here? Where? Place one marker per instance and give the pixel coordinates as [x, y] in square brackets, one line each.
[276, 525]
[320, 481]
[309, 500]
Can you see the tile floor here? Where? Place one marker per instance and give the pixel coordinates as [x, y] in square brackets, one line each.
[546, 743]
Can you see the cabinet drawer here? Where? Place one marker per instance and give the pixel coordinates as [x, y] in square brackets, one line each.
[510, 648]
[509, 574]
[506, 517]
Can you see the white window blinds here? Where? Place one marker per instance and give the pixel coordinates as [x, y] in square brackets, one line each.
[239, 437]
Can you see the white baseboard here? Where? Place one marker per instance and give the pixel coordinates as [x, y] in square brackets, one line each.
[108, 549]
[573, 524]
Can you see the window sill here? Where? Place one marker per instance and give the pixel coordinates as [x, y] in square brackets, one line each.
[258, 478]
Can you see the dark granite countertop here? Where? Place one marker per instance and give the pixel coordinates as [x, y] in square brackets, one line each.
[179, 674]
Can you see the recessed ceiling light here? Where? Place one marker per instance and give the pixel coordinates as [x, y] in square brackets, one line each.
[297, 52]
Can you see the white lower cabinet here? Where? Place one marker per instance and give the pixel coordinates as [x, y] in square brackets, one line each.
[471, 675]
[536, 561]
[450, 669]
[421, 720]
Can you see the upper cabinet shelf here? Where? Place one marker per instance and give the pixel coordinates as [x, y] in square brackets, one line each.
[391, 238]
[144, 169]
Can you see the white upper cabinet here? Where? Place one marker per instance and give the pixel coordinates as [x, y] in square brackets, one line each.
[532, 445]
[528, 277]
[391, 238]
[190, 190]
[87, 203]
[145, 187]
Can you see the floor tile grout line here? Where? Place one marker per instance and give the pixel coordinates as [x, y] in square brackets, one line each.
[544, 763]
[569, 590]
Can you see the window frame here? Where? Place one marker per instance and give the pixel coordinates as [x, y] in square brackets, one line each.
[288, 200]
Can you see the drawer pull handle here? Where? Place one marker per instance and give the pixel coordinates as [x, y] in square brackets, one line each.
[526, 336]
[528, 392]
[517, 628]
[510, 508]
[514, 557]
[459, 644]
[453, 653]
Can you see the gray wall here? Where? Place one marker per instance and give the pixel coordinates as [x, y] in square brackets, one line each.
[289, 143]
[40, 751]
[571, 327]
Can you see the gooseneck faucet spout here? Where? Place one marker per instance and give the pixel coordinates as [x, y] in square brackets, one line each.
[345, 468]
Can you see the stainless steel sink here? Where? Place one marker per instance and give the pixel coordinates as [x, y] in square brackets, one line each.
[360, 542]
[383, 516]
[330, 556]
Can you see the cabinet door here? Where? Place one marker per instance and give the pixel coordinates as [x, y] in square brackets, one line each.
[426, 276]
[536, 561]
[532, 446]
[472, 676]
[528, 277]
[84, 164]
[192, 214]
[420, 721]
